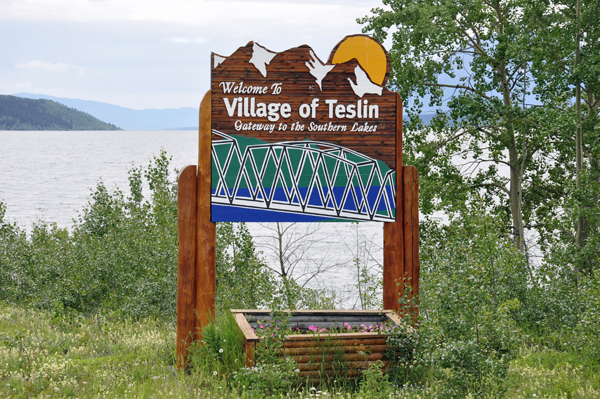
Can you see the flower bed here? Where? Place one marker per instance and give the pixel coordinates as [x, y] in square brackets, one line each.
[323, 342]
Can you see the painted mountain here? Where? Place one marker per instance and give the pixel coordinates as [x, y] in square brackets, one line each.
[298, 139]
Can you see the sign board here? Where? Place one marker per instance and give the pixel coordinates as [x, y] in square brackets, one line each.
[298, 139]
[287, 137]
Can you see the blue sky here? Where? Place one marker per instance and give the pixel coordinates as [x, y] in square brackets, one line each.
[152, 53]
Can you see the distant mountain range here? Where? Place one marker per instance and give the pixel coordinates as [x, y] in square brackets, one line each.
[26, 114]
[146, 119]
[127, 118]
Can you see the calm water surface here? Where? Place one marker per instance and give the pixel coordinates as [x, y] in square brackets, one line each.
[49, 175]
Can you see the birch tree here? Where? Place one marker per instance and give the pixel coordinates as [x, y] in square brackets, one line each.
[566, 67]
[490, 143]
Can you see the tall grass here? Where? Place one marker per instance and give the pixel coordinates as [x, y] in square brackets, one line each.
[48, 355]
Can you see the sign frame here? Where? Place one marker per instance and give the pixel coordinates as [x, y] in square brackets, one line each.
[196, 288]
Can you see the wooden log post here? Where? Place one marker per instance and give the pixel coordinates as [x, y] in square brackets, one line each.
[393, 232]
[411, 231]
[412, 263]
[401, 238]
[206, 237]
[186, 261]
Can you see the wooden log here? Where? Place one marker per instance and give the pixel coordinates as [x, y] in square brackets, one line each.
[343, 358]
[335, 349]
[250, 353]
[349, 342]
[186, 261]
[416, 263]
[411, 231]
[245, 327]
[339, 366]
[390, 265]
[206, 284]
[408, 225]
[393, 232]
[317, 375]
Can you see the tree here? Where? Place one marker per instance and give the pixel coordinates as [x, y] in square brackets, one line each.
[367, 270]
[243, 281]
[566, 67]
[491, 143]
[296, 263]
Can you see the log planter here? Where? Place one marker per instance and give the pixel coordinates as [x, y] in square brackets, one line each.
[319, 355]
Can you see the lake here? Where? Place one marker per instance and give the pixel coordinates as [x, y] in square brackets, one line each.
[49, 176]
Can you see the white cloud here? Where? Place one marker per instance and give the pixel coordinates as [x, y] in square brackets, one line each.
[186, 40]
[22, 85]
[233, 15]
[156, 53]
[60, 67]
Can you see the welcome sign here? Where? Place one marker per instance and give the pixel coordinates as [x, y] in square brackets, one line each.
[287, 137]
[298, 139]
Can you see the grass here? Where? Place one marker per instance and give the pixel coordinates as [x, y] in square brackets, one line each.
[45, 355]
[546, 373]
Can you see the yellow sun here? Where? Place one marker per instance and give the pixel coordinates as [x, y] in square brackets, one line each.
[369, 53]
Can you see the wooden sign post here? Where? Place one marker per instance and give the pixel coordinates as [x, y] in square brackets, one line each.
[285, 137]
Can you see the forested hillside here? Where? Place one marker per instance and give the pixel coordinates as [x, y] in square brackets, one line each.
[24, 114]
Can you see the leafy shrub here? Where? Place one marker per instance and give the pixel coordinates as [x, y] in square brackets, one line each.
[472, 283]
[265, 379]
[121, 255]
[585, 338]
[243, 281]
[375, 383]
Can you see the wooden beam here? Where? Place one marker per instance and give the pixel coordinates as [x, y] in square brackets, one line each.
[393, 232]
[250, 353]
[249, 334]
[206, 283]
[414, 245]
[408, 224]
[390, 264]
[186, 261]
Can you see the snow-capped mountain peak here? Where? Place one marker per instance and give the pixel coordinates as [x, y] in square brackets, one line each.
[363, 84]
[261, 57]
[318, 69]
